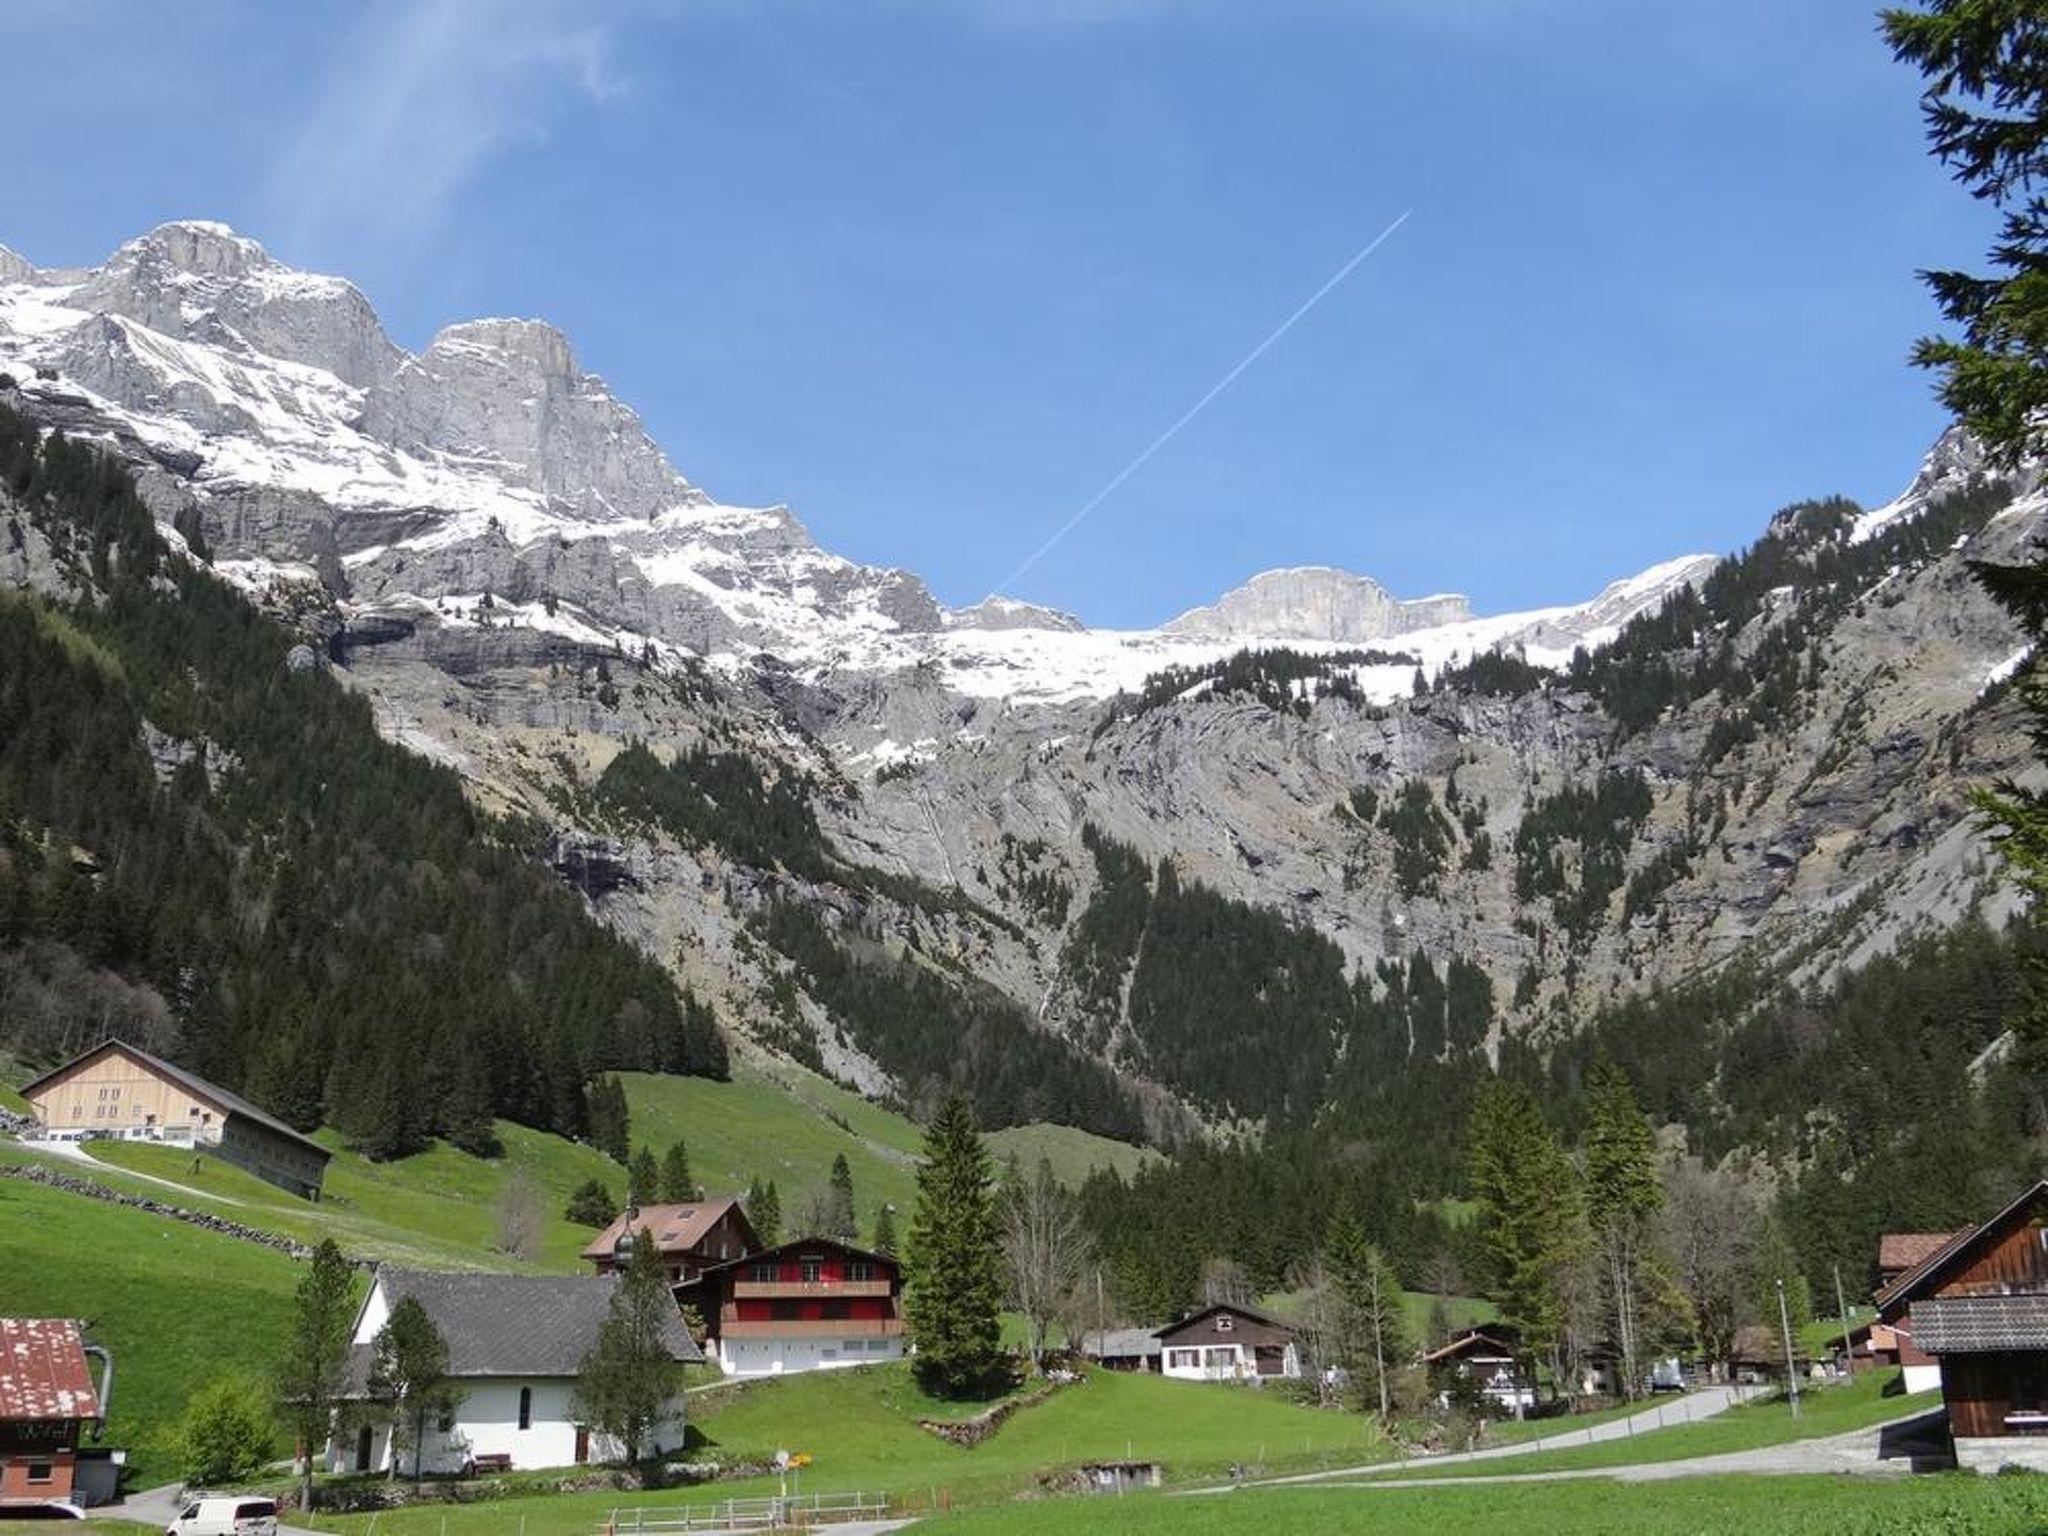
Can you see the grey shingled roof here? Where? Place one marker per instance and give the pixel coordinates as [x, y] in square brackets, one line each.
[228, 1103]
[1120, 1343]
[519, 1325]
[1963, 1325]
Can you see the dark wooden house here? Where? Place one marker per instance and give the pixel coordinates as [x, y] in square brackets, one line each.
[1979, 1306]
[1229, 1343]
[1897, 1254]
[1489, 1358]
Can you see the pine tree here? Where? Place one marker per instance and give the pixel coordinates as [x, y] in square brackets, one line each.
[953, 1283]
[468, 1120]
[1986, 107]
[1777, 1265]
[591, 1205]
[884, 1241]
[1372, 1330]
[309, 1377]
[766, 1214]
[1532, 1219]
[408, 1382]
[677, 1187]
[1623, 1196]
[629, 1376]
[643, 1181]
[840, 1221]
[608, 1120]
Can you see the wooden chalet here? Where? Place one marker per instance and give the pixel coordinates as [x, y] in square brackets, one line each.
[814, 1304]
[47, 1403]
[692, 1237]
[1490, 1358]
[1978, 1305]
[1897, 1254]
[1225, 1342]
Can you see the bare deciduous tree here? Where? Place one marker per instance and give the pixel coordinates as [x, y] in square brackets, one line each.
[519, 1216]
[1709, 1232]
[1225, 1283]
[1046, 1252]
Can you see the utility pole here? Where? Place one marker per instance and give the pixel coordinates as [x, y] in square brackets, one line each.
[1791, 1369]
[1842, 1307]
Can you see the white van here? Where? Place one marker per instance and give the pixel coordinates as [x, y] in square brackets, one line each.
[227, 1515]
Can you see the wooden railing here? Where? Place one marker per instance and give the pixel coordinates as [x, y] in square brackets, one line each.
[774, 1513]
[780, 1289]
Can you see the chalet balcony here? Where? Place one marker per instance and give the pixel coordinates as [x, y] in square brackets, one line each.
[814, 1328]
[794, 1290]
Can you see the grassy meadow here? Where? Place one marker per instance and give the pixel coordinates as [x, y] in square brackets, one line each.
[1948, 1505]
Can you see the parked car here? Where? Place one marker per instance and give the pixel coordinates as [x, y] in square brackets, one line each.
[1667, 1375]
[226, 1515]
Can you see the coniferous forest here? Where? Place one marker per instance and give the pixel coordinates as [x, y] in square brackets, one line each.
[194, 822]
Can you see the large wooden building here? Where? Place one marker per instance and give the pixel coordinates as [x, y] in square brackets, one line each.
[1978, 1305]
[119, 1090]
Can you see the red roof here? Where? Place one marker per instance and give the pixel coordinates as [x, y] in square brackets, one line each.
[1898, 1252]
[43, 1372]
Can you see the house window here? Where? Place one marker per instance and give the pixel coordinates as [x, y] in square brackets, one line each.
[813, 1270]
[526, 1407]
[41, 1472]
[1225, 1323]
[859, 1269]
[1184, 1359]
[764, 1273]
[1220, 1359]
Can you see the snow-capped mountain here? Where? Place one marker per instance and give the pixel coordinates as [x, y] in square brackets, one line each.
[490, 464]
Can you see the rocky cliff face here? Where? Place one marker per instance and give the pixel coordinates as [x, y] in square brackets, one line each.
[496, 554]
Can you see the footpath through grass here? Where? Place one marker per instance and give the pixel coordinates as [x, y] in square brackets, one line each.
[1948, 1505]
[1823, 1411]
[860, 1429]
[177, 1305]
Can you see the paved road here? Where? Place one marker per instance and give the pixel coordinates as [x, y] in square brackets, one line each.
[1896, 1448]
[72, 1151]
[1662, 1414]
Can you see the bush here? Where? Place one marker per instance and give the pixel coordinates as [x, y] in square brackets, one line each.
[228, 1434]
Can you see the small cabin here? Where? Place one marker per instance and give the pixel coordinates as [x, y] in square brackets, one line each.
[1226, 1342]
[1490, 1359]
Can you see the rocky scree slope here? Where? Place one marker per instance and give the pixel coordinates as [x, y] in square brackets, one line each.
[968, 829]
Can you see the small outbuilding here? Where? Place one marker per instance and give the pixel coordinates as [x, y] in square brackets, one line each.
[1122, 1349]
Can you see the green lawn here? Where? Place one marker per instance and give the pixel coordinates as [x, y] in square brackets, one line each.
[1755, 1506]
[434, 1210]
[779, 1121]
[1823, 1411]
[860, 1429]
[176, 1305]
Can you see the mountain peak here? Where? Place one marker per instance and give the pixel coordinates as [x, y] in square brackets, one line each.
[1317, 602]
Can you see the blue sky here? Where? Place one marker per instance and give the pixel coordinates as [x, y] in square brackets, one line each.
[933, 271]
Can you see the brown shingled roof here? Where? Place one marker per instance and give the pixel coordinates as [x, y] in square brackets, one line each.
[675, 1228]
[43, 1374]
[1898, 1252]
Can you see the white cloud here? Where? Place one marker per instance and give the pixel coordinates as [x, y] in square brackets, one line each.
[419, 96]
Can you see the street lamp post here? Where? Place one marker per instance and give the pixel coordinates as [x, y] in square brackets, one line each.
[1791, 1370]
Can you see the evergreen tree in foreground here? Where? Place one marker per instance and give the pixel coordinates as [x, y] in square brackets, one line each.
[409, 1380]
[1624, 1192]
[629, 1376]
[309, 1378]
[953, 1287]
[885, 1232]
[1986, 107]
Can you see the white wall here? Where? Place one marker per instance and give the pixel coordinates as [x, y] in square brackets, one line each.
[487, 1424]
[1242, 1364]
[785, 1357]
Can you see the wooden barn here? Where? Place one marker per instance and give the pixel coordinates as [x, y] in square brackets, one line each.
[1979, 1306]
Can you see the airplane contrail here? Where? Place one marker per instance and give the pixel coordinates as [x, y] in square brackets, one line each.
[1195, 410]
